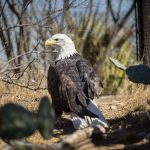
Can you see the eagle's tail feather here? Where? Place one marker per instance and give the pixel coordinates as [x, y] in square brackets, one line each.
[79, 122]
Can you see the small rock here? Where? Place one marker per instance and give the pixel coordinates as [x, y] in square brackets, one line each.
[113, 107]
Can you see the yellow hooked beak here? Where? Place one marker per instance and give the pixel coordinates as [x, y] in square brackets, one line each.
[49, 42]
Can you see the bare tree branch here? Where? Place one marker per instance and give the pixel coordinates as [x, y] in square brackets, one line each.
[12, 8]
[115, 19]
[21, 55]
[2, 8]
[126, 16]
[24, 86]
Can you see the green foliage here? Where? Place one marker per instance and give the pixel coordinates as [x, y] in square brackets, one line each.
[46, 118]
[139, 74]
[17, 122]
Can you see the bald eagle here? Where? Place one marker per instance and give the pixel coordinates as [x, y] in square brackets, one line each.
[73, 83]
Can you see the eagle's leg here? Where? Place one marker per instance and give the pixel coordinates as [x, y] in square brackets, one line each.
[58, 123]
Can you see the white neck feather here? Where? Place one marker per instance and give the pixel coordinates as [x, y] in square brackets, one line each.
[66, 51]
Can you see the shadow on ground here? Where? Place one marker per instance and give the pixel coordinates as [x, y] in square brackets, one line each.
[66, 128]
[129, 132]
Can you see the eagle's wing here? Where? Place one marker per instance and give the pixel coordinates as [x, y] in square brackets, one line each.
[92, 85]
[71, 89]
[53, 88]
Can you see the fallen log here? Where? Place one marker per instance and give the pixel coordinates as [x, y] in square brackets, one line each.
[75, 140]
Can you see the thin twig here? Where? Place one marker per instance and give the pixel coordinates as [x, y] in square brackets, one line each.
[38, 23]
[2, 8]
[24, 86]
[21, 55]
[25, 69]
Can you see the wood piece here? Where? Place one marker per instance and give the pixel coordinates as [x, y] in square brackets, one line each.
[79, 136]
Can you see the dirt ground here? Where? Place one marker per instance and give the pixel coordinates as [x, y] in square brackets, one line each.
[128, 115]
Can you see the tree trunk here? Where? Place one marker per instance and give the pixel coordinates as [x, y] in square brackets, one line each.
[144, 30]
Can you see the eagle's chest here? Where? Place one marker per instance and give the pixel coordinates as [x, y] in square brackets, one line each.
[67, 71]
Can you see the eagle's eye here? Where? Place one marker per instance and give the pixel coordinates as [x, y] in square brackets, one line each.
[56, 39]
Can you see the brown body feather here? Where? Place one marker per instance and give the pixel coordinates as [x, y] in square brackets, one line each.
[72, 83]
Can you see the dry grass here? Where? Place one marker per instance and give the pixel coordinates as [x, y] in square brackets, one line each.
[133, 98]
[22, 96]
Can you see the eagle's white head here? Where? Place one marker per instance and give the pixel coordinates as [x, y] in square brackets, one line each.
[61, 46]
